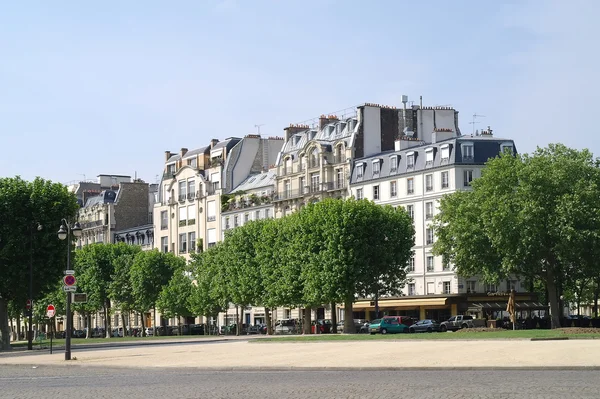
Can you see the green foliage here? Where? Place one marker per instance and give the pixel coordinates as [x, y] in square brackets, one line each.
[149, 273]
[209, 292]
[174, 298]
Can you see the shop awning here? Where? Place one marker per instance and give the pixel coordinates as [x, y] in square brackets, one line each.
[502, 306]
[399, 303]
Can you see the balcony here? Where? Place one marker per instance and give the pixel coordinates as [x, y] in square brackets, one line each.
[211, 218]
[182, 197]
[338, 185]
[164, 226]
[312, 189]
[89, 225]
[191, 222]
[339, 159]
[467, 158]
[191, 196]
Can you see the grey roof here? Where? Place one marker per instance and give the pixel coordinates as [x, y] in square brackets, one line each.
[195, 152]
[106, 196]
[257, 181]
[174, 158]
[484, 148]
[326, 136]
[228, 142]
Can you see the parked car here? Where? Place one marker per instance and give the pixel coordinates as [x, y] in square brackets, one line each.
[406, 320]
[257, 329]
[149, 331]
[360, 326]
[456, 323]
[286, 326]
[427, 325]
[387, 325]
[324, 326]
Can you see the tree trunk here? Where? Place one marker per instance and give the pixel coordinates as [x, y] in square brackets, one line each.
[349, 315]
[4, 331]
[123, 322]
[553, 298]
[12, 330]
[333, 318]
[268, 321]
[596, 295]
[307, 319]
[18, 327]
[107, 332]
[143, 319]
[88, 324]
[237, 320]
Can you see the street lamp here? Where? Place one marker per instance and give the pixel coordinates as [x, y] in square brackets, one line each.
[30, 328]
[65, 231]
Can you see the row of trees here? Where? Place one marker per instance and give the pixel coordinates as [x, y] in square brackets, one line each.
[534, 216]
[329, 252]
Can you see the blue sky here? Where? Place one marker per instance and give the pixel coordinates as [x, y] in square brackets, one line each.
[106, 87]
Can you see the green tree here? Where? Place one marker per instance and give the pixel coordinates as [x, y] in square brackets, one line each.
[119, 289]
[526, 214]
[149, 273]
[22, 206]
[174, 298]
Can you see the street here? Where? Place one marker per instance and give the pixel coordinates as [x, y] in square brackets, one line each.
[105, 382]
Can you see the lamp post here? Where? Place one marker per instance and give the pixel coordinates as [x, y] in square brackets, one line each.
[65, 231]
[30, 328]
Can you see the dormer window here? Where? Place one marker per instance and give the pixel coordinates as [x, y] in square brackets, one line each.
[393, 163]
[506, 147]
[467, 152]
[445, 156]
[410, 160]
[311, 134]
[297, 139]
[429, 157]
[376, 167]
[360, 171]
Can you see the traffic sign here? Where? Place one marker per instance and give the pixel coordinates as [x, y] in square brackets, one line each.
[69, 288]
[69, 280]
[69, 272]
[28, 304]
[50, 311]
[79, 298]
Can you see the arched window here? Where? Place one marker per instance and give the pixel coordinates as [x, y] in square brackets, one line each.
[314, 158]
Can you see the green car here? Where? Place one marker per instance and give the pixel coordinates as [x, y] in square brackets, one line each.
[387, 325]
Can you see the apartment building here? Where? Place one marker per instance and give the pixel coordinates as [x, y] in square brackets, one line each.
[416, 175]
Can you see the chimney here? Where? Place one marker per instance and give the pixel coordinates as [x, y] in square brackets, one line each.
[293, 129]
[213, 143]
[325, 119]
[183, 152]
[397, 145]
[167, 155]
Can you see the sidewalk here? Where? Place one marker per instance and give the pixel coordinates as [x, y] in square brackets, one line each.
[389, 354]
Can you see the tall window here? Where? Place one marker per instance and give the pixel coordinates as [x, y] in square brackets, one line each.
[430, 263]
[211, 237]
[471, 287]
[445, 153]
[429, 157]
[410, 186]
[360, 171]
[182, 215]
[236, 221]
[489, 287]
[256, 215]
[314, 158]
[288, 188]
[359, 193]
[445, 182]
[246, 218]
[164, 220]
[429, 234]
[191, 214]
[227, 223]
[192, 241]
[468, 177]
[429, 182]
[315, 179]
[411, 289]
[411, 264]
[267, 213]
[467, 152]
[511, 285]
[193, 162]
[376, 167]
[410, 209]
[211, 211]
[446, 287]
[375, 192]
[164, 244]
[393, 163]
[339, 179]
[182, 243]
[182, 189]
[428, 210]
[393, 188]
[410, 161]
[302, 184]
[191, 188]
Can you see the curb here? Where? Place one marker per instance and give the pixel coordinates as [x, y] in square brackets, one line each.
[552, 339]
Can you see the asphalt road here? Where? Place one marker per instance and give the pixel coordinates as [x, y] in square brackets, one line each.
[97, 383]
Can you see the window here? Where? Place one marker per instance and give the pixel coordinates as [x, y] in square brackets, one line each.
[360, 171]
[429, 182]
[256, 215]
[287, 188]
[506, 147]
[471, 287]
[227, 225]
[410, 161]
[171, 169]
[411, 289]
[191, 214]
[410, 186]
[393, 163]
[375, 192]
[339, 179]
[511, 285]
[246, 218]
[164, 244]
[182, 190]
[376, 166]
[429, 234]
[164, 220]
[393, 189]
[267, 213]
[191, 188]
[302, 185]
[445, 263]
[445, 153]
[446, 287]
[211, 237]
[182, 215]
[192, 241]
[410, 209]
[428, 210]
[236, 221]
[468, 177]
[411, 264]
[430, 288]
[429, 157]
[445, 182]
[315, 179]
[359, 193]
[491, 287]
[467, 152]
[314, 158]
[211, 211]
[287, 166]
[182, 243]
[429, 263]
[193, 162]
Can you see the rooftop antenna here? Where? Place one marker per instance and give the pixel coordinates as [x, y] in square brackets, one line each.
[475, 116]
[258, 128]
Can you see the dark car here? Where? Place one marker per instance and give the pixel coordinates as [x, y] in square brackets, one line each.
[324, 326]
[426, 325]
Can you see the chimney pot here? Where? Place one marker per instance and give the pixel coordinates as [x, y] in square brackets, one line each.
[167, 155]
[213, 142]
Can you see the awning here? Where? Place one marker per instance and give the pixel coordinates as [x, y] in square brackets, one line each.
[502, 306]
[399, 303]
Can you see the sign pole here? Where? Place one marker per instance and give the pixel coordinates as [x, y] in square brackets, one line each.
[51, 333]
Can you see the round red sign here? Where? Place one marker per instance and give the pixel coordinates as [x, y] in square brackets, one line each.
[69, 280]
